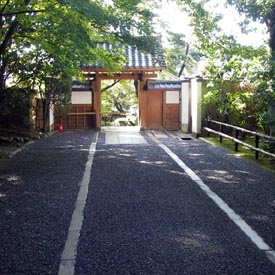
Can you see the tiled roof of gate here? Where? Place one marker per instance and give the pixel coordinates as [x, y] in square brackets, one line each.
[136, 59]
[153, 84]
[81, 85]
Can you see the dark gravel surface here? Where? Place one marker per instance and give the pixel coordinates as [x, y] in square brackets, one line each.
[247, 188]
[144, 215]
[38, 189]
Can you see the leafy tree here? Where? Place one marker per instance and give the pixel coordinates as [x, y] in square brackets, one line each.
[264, 12]
[235, 73]
[67, 30]
[118, 98]
[15, 108]
[42, 40]
[179, 56]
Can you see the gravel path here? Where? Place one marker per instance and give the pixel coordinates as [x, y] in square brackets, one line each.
[247, 188]
[143, 215]
[38, 188]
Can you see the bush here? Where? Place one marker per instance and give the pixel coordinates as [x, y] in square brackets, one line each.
[15, 104]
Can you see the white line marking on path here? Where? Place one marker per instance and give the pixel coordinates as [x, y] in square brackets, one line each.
[241, 223]
[68, 257]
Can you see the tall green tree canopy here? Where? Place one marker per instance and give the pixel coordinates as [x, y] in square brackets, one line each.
[61, 33]
[263, 11]
[227, 61]
[44, 43]
[179, 56]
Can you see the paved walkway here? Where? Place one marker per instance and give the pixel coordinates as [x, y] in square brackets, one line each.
[130, 202]
[123, 135]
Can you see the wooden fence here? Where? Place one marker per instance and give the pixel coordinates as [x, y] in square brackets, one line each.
[238, 130]
[75, 116]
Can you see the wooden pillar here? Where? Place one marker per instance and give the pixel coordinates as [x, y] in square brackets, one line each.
[142, 101]
[97, 101]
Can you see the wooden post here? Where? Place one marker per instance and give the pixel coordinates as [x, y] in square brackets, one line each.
[221, 130]
[97, 102]
[257, 139]
[237, 137]
[142, 102]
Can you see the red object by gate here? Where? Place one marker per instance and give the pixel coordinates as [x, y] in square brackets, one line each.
[59, 127]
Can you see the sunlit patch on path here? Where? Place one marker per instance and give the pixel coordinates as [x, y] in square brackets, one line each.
[123, 136]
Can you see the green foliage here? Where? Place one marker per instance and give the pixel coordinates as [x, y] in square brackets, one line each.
[256, 10]
[205, 25]
[178, 54]
[44, 43]
[15, 108]
[65, 32]
[240, 79]
[263, 11]
[237, 84]
[119, 98]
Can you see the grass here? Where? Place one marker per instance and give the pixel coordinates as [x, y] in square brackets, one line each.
[244, 152]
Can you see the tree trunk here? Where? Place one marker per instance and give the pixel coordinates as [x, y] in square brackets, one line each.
[5, 44]
[46, 105]
[184, 61]
[2, 81]
[8, 37]
[4, 64]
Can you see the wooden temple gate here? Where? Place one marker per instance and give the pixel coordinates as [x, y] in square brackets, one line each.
[139, 77]
[154, 113]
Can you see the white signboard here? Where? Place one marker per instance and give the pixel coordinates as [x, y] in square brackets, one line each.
[172, 97]
[82, 97]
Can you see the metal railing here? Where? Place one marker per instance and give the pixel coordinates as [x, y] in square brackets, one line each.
[238, 130]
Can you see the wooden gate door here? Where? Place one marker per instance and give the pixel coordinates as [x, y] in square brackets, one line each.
[171, 110]
[171, 117]
[154, 117]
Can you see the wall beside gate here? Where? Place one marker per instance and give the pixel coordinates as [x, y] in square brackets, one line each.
[163, 104]
[75, 116]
